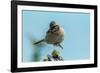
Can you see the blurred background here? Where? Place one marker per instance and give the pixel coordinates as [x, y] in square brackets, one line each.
[76, 42]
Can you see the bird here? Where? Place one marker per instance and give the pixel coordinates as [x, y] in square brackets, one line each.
[54, 35]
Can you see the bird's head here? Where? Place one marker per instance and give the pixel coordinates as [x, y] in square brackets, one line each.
[53, 24]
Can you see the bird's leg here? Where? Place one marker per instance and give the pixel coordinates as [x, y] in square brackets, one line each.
[60, 46]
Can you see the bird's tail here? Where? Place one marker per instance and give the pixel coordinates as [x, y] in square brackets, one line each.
[39, 41]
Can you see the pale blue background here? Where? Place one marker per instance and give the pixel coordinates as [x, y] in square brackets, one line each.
[77, 33]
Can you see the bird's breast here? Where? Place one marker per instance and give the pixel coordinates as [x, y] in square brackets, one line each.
[54, 38]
